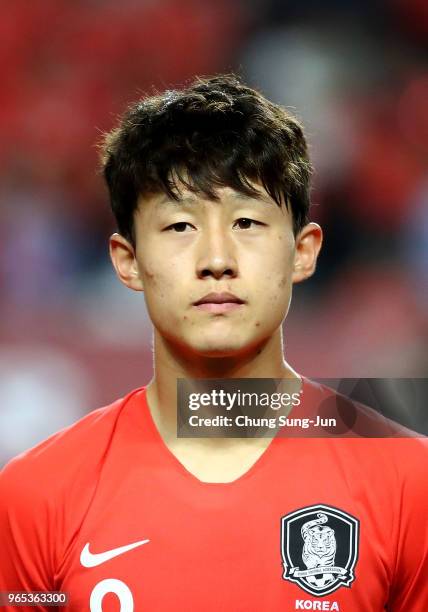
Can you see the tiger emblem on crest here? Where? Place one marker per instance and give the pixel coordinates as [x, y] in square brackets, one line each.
[319, 546]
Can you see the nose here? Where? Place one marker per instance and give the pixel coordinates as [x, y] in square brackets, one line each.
[216, 256]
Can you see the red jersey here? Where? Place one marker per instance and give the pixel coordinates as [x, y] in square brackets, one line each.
[105, 512]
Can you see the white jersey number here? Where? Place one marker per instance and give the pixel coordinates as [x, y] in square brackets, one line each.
[111, 585]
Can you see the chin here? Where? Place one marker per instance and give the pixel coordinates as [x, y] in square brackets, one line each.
[218, 348]
[225, 343]
[218, 351]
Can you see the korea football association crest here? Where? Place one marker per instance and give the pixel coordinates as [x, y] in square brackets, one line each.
[319, 546]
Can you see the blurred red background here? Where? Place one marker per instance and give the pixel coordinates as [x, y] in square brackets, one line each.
[73, 338]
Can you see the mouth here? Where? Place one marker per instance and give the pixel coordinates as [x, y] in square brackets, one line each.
[219, 302]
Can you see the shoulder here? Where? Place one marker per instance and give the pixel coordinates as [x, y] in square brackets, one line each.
[354, 419]
[66, 452]
[388, 454]
[46, 491]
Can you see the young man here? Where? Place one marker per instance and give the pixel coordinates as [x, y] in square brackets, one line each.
[210, 189]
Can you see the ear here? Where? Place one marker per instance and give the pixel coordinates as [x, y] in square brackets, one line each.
[308, 245]
[122, 255]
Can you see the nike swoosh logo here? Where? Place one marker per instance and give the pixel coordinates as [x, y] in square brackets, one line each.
[88, 559]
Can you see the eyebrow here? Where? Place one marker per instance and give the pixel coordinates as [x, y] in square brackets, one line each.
[262, 197]
[166, 201]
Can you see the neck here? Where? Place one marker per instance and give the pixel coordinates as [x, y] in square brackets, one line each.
[170, 363]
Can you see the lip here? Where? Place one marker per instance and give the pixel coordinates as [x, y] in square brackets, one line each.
[223, 307]
[219, 302]
[219, 298]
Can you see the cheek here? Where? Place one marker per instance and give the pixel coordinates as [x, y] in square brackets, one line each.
[276, 290]
[158, 281]
[283, 266]
[273, 275]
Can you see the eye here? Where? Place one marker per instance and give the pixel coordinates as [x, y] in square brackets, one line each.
[178, 227]
[245, 223]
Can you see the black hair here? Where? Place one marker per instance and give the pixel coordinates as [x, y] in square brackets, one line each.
[216, 132]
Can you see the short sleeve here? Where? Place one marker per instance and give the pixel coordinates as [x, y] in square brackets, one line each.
[409, 591]
[26, 556]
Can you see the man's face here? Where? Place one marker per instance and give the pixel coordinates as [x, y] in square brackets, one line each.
[239, 245]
